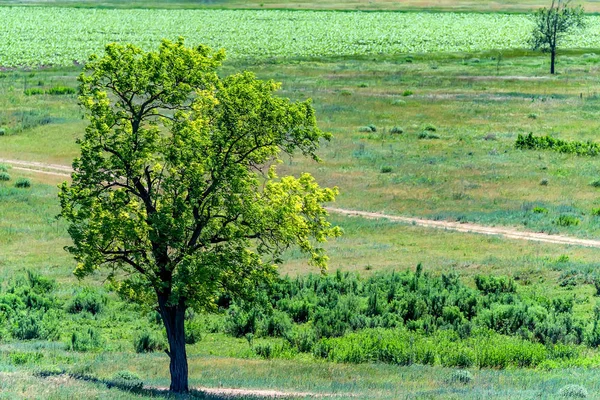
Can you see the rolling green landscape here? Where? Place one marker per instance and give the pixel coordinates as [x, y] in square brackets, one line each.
[442, 112]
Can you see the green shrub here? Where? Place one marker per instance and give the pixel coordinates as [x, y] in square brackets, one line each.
[302, 338]
[240, 322]
[540, 210]
[21, 358]
[33, 91]
[544, 182]
[407, 93]
[264, 350]
[426, 135]
[4, 176]
[86, 300]
[396, 130]
[366, 129]
[567, 220]
[34, 325]
[126, 380]
[39, 283]
[23, 183]
[60, 90]
[460, 376]
[386, 169]
[596, 282]
[148, 342]
[429, 128]
[489, 284]
[531, 142]
[595, 183]
[193, 332]
[3, 168]
[573, 391]
[279, 324]
[596, 212]
[532, 116]
[87, 340]
[2, 132]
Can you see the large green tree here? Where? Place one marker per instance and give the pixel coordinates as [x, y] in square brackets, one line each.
[552, 25]
[175, 192]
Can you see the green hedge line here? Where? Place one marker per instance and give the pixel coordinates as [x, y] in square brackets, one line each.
[530, 142]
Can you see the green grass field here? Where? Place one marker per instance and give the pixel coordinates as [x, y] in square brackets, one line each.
[451, 156]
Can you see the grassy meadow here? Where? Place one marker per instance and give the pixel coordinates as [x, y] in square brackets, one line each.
[421, 134]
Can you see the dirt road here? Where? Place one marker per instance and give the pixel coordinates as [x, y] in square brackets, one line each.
[509, 233]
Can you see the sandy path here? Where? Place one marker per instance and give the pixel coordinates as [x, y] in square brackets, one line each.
[509, 233]
[472, 228]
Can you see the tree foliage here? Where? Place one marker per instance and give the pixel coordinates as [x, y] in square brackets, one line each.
[176, 192]
[553, 24]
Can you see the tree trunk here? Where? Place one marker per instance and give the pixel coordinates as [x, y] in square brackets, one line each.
[552, 61]
[173, 319]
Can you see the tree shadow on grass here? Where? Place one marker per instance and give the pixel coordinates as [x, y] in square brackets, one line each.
[137, 388]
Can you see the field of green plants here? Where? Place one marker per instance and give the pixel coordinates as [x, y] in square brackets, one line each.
[39, 36]
[433, 115]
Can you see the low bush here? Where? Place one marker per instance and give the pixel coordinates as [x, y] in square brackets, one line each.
[573, 392]
[365, 129]
[427, 135]
[386, 169]
[460, 376]
[567, 220]
[23, 358]
[148, 342]
[87, 300]
[429, 128]
[4, 176]
[23, 183]
[396, 130]
[33, 91]
[60, 91]
[86, 340]
[530, 142]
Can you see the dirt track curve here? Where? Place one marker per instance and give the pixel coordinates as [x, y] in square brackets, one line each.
[509, 233]
[472, 228]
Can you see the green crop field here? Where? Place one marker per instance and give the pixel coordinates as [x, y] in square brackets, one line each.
[425, 111]
[40, 36]
[516, 6]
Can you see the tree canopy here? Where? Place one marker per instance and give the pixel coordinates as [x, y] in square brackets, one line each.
[176, 193]
[552, 25]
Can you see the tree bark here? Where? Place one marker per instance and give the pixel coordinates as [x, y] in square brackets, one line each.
[552, 61]
[173, 319]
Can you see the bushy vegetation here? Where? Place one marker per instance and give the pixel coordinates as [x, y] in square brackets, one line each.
[413, 317]
[28, 309]
[530, 142]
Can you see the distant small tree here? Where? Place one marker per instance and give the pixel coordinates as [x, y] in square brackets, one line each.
[553, 24]
[175, 191]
